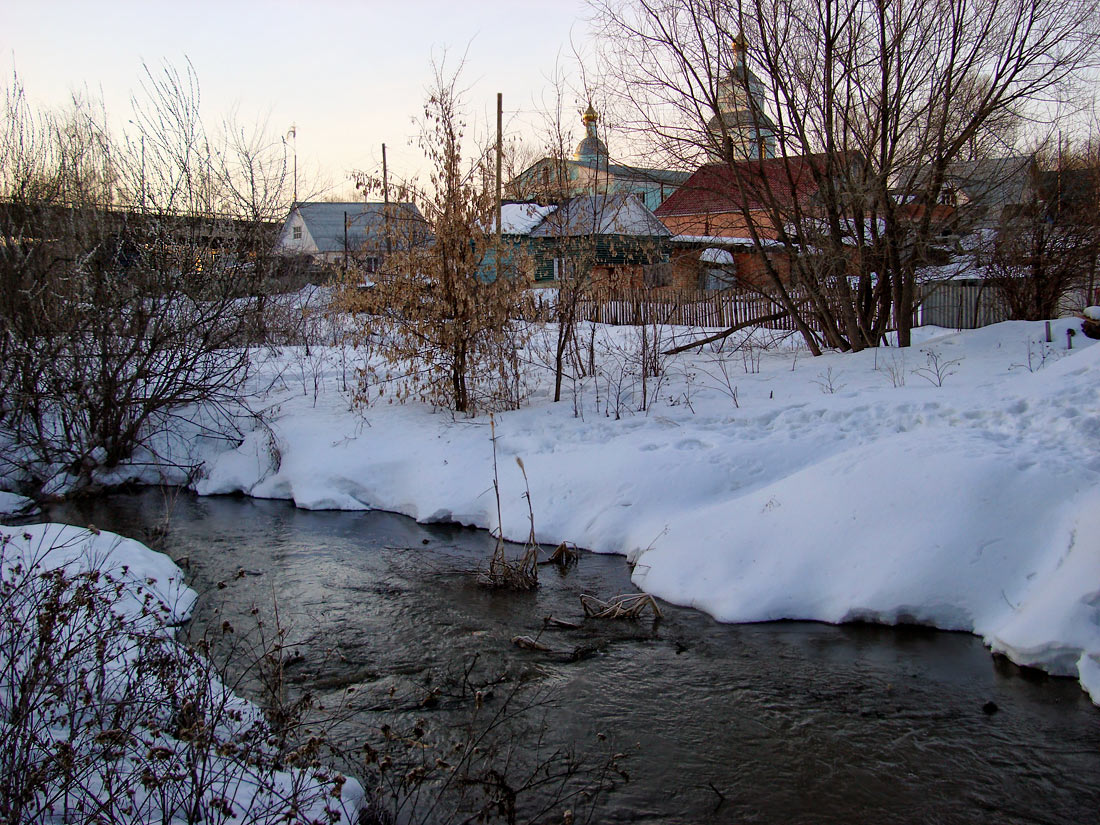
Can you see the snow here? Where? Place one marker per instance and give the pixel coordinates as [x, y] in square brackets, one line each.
[728, 240]
[953, 483]
[520, 218]
[146, 591]
[711, 255]
[13, 505]
[77, 549]
[965, 497]
[1092, 313]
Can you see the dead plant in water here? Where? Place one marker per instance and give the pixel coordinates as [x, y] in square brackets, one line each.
[563, 556]
[515, 574]
[626, 606]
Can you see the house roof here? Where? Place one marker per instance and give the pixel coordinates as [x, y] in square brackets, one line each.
[520, 218]
[642, 173]
[600, 215]
[621, 171]
[366, 222]
[992, 183]
[750, 184]
[997, 182]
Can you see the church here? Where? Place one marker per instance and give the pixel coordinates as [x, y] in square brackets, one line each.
[591, 172]
[743, 190]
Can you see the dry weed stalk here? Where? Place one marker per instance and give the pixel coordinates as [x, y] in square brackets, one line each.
[563, 556]
[626, 606]
[522, 573]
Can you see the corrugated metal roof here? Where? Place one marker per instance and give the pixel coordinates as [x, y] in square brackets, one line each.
[752, 184]
[601, 215]
[365, 222]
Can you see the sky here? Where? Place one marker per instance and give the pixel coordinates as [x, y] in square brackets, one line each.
[349, 76]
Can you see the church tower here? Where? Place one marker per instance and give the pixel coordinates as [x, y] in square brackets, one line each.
[591, 149]
[742, 129]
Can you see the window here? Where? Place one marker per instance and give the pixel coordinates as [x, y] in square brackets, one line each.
[563, 267]
[371, 264]
[296, 233]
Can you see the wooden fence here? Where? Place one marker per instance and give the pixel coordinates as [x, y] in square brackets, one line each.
[955, 304]
[727, 308]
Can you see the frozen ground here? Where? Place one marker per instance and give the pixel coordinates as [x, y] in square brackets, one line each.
[955, 483]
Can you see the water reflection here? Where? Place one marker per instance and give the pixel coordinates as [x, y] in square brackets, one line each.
[771, 723]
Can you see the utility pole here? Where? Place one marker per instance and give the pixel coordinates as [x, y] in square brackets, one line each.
[293, 133]
[386, 202]
[500, 152]
[143, 174]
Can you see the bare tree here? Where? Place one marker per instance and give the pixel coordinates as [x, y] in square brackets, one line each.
[443, 321]
[1045, 252]
[864, 104]
[125, 307]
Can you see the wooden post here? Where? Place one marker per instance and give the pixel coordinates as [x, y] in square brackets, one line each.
[500, 152]
[386, 202]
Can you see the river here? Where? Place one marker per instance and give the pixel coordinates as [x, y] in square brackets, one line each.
[786, 722]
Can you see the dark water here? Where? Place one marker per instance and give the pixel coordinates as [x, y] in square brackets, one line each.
[771, 723]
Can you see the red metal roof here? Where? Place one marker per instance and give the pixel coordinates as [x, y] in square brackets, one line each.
[752, 184]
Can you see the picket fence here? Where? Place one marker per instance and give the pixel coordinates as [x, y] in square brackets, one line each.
[956, 305]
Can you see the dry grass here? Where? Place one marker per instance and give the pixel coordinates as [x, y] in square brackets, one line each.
[626, 606]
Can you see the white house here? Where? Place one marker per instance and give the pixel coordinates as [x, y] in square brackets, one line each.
[355, 232]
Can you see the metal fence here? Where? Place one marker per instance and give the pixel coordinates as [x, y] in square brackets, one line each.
[961, 304]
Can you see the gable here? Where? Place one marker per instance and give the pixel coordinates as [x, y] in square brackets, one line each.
[601, 215]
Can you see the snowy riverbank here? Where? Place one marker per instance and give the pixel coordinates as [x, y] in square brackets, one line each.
[106, 712]
[955, 483]
[843, 487]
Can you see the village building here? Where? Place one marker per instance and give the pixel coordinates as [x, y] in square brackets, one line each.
[741, 199]
[741, 129]
[612, 241]
[356, 233]
[726, 212]
[591, 172]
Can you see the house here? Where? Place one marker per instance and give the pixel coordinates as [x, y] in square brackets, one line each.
[590, 172]
[359, 232]
[976, 197]
[614, 239]
[720, 208]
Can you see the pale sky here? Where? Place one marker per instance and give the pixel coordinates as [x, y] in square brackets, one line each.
[349, 75]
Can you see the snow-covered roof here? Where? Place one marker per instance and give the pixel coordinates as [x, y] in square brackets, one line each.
[601, 215]
[711, 255]
[725, 240]
[520, 218]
